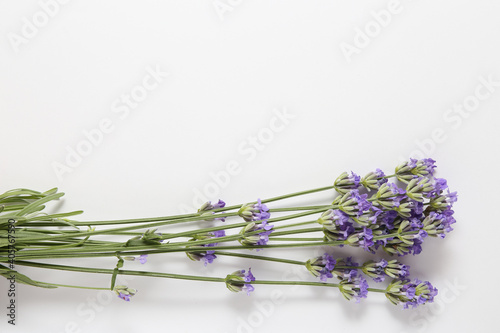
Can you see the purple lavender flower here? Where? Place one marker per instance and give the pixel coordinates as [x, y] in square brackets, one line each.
[124, 292]
[333, 218]
[254, 212]
[363, 205]
[421, 235]
[440, 185]
[436, 224]
[443, 201]
[373, 180]
[397, 270]
[429, 165]
[354, 204]
[345, 269]
[375, 270]
[205, 209]
[208, 256]
[363, 239]
[387, 219]
[389, 196]
[321, 266]
[240, 280]
[406, 171]
[410, 294]
[357, 288]
[219, 204]
[418, 188]
[346, 182]
[143, 258]
[208, 206]
[368, 217]
[250, 236]
[367, 241]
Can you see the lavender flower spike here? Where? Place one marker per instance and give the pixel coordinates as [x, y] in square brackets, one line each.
[406, 171]
[345, 182]
[410, 293]
[375, 270]
[321, 266]
[357, 288]
[250, 237]
[124, 292]
[254, 212]
[240, 281]
[205, 210]
[208, 256]
[373, 180]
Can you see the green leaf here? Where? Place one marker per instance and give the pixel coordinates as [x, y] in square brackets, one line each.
[21, 278]
[119, 265]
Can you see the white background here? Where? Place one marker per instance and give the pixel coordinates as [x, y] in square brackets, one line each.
[230, 71]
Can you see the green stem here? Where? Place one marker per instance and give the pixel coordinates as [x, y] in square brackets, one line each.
[174, 276]
[194, 215]
[251, 256]
[137, 251]
[70, 286]
[120, 272]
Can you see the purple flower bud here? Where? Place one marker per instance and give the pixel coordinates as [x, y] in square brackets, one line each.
[240, 281]
[143, 258]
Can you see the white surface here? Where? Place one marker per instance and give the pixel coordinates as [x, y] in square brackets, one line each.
[226, 80]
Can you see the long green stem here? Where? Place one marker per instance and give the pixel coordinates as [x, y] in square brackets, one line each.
[251, 256]
[174, 276]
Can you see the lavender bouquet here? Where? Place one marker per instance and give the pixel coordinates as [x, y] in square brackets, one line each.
[370, 213]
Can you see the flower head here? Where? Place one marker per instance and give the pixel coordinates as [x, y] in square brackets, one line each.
[397, 270]
[368, 217]
[207, 256]
[436, 224]
[375, 269]
[354, 204]
[418, 188]
[331, 219]
[143, 258]
[206, 210]
[254, 212]
[373, 180]
[346, 182]
[124, 292]
[389, 196]
[444, 201]
[410, 294]
[321, 266]
[357, 288]
[363, 239]
[240, 280]
[255, 234]
[406, 171]
[344, 269]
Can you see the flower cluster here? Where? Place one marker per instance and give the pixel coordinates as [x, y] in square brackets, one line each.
[206, 210]
[346, 269]
[321, 267]
[255, 234]
[370, 212]
[254, 212]
[373, 180]
[240, 281]
[207, 256]
[356, 288]
[410, 294]
[124, 292]
[394, 218]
